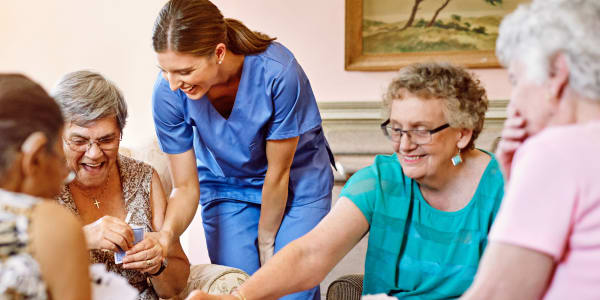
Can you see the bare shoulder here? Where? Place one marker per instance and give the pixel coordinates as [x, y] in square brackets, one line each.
[52, 222]
[58, 244]
[477, 162]
[483, 158]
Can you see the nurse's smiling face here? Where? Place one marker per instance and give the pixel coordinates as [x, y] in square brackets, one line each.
[194, 75]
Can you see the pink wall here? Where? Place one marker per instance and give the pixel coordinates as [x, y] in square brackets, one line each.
[113, 37]
[314, 31]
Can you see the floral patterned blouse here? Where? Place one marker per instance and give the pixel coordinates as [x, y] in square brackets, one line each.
[136, 182]
[20, 275]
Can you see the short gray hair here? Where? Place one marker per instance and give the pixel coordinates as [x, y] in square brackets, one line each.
[86, 96]
[535, 32]
[464, 98]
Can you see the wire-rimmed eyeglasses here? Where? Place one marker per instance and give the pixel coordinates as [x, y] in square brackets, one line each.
[83, 145]
[417, 136]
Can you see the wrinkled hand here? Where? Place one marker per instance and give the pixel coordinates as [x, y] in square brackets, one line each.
[146, 256]
[200, 295]
[513, 136]
[108, 233]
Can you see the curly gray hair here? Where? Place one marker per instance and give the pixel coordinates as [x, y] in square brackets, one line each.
[86, 96]
[535, 32]
[465, 100]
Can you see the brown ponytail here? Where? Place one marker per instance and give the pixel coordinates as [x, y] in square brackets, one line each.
[197, 27]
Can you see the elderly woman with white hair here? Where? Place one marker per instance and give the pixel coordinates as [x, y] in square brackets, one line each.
[546, 240]
[108, 187]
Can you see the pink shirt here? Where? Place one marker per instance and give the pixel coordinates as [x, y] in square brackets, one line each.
[552, 205]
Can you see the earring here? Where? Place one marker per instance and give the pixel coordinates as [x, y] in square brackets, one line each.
[457, 159]
[220, 62]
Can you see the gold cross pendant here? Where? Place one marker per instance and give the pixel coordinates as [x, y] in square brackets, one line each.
[96, 203]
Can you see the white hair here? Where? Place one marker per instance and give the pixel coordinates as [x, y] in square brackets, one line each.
[534, 33]
[86, 96]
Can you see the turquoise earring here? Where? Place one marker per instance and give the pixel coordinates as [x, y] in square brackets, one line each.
[457, 159]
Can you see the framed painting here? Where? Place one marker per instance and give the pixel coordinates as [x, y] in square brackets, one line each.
[385, 35]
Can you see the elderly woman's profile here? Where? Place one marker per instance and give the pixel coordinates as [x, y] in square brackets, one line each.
[42, 248]
[427, 208]
[545, 243]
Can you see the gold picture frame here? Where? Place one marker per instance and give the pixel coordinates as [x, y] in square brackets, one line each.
[356, 59]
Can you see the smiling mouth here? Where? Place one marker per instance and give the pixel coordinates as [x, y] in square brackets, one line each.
[411, 158]
[188, 89]
[92, 167]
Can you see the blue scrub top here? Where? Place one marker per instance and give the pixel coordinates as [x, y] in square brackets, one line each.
[274, 101]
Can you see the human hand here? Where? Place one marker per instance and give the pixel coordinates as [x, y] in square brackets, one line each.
[165, 239]
[266, 247]
[146, 256]
[513, 136]
[108, 233]
[200, 295]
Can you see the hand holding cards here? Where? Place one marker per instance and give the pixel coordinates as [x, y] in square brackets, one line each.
[138, 235]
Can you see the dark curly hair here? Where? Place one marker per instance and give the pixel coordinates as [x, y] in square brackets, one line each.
[465, 98]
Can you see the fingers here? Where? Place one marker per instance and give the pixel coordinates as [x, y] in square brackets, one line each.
[115, 240]
[514, 121]
[514, 128]
[148, 266]
[121, 228]
[109, 233]
[146, 256]
[144, 252]
[265, 253]
[150, 240]
[507, 147]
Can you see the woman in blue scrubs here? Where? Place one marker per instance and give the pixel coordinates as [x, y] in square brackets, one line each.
[234, 110]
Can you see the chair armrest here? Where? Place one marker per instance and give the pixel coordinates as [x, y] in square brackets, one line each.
[213, 279]
[347, 287]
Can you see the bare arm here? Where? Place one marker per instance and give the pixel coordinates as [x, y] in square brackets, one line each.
[304, 263]
[280, 154]
[61, 252]
[511, 272]
[174, 278]
[183, 201]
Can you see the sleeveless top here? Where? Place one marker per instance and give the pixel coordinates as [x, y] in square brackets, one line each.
[20, 275]
[136, 182]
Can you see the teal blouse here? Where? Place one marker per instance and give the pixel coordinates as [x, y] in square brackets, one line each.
[416, 251]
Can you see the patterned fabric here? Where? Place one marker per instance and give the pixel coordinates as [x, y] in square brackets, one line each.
[416, 251]
[213, 279]
[20, 276]
[136, 181]
[348, 287]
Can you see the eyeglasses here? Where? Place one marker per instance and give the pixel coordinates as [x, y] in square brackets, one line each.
[84, 145]
[417, 136]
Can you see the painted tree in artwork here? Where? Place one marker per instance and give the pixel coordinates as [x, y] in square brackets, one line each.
[437, 11]
[413, 13]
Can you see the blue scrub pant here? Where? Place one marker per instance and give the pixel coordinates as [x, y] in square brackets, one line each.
[231, 229]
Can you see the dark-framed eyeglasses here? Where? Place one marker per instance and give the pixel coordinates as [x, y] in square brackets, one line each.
[417, 136]
[79, 144]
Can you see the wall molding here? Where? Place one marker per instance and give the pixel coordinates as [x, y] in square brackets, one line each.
[373, 110]
[352, 127]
